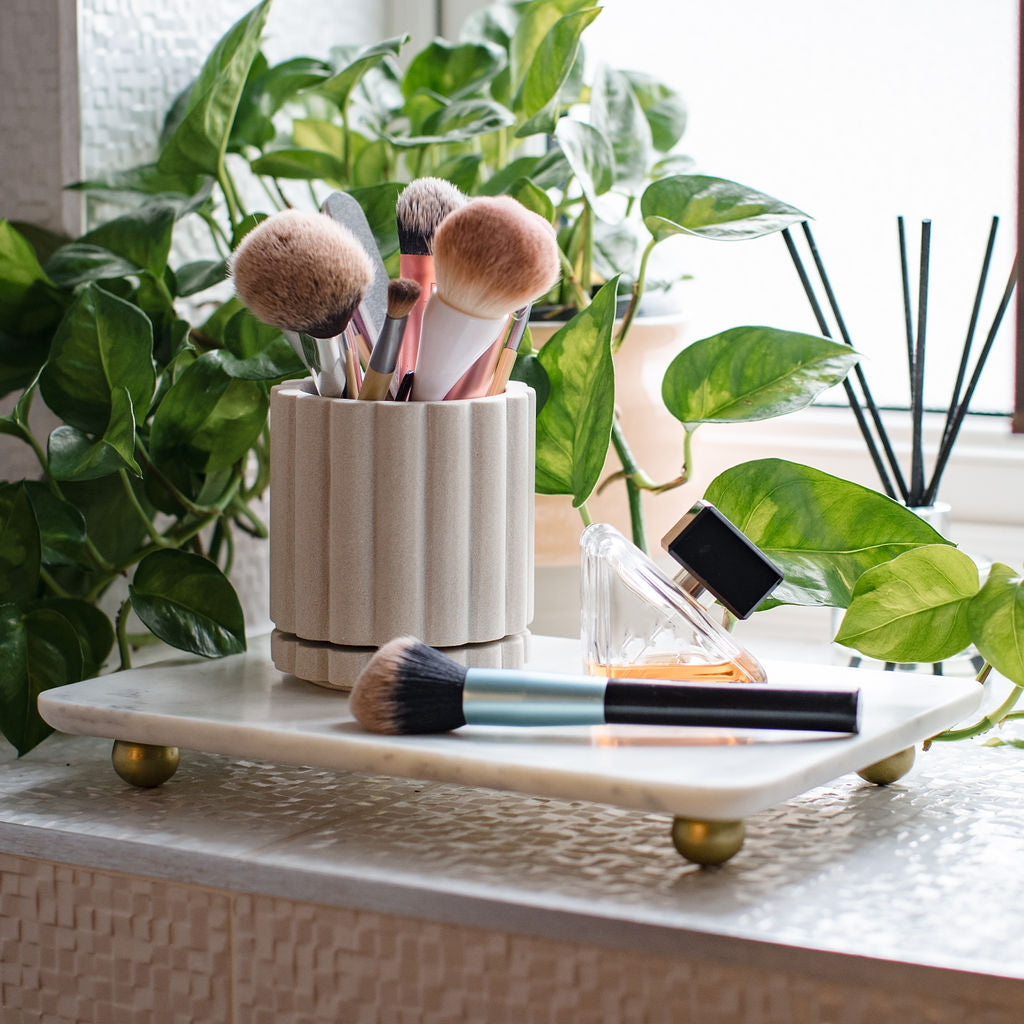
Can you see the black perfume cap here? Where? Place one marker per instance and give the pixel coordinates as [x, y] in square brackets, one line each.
[721, 559]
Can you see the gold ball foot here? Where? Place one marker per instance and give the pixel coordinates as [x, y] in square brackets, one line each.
[143, 764]
[707, 842]
[889, 769]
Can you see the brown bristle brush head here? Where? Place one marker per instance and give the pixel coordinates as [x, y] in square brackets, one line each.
[422, 205]
[301, 272]
[493, 256]
[403, 294]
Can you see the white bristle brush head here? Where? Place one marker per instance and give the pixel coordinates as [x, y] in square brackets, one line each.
[493, 255]
[302, 272]
[422, 205]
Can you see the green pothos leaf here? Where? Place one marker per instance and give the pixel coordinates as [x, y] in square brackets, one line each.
[913, 608]
[752, 373]
[75, 456]
[823, 532]
[19, 544]
[995, 618]
[574, 427]
[199, 140]
[189, 603]
[38, 650]
[695, 204]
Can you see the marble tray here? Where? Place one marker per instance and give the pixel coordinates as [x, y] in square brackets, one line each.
[243, 707]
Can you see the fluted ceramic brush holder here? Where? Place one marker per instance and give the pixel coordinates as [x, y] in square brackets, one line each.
[393, 518]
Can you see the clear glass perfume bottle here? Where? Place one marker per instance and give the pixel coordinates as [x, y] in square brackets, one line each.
[639, 623]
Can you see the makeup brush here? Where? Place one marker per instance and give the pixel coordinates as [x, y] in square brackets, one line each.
[421, 207]
[402, 295]
[491, 257]
[509, 350]
[303, 273]
[408, 687]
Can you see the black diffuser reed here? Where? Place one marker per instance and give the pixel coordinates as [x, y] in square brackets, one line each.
[920, 490]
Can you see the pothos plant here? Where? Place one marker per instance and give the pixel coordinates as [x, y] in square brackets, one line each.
[910, 595]
[161, 385]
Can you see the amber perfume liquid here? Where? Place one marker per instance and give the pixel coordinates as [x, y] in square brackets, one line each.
[742, 670]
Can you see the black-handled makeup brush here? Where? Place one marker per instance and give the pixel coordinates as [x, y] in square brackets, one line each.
[408, 687]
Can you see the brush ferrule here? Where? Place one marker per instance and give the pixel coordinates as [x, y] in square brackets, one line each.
[500, 697]
[329, 367]
[384, 354]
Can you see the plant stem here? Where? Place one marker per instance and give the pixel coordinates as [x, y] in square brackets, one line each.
[258, 527]
[123, 647]
[52, 583]
[634, 300]
[281, 197]
[221, 241]
[502, 146]
[636, 512]
[988, 721]
[100, 560]
[227, 189]
[266, 188]
[133, 500]
[229, 545]
[262, 480]
[346, 148]
[587, 251]
[189, 505]
[585, 514]
[571, 281]
[40, 454]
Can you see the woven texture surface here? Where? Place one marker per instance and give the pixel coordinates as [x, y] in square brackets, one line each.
[78, 945]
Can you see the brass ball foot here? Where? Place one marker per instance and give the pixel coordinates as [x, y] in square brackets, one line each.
[889, 769]
[144, 764]
[707, 842]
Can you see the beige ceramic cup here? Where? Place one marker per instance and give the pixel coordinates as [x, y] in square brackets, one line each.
[395, 518]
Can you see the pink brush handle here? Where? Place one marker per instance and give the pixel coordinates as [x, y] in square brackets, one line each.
[477, 379]
[421, 270]
[449, 345]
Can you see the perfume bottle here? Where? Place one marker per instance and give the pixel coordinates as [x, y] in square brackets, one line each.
[639, 623]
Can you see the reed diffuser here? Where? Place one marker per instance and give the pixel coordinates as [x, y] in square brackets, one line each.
[918, 489]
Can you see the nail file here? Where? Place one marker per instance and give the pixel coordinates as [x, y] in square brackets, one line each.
[345, 210]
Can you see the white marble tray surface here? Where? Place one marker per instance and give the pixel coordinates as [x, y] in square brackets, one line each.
[244, 707]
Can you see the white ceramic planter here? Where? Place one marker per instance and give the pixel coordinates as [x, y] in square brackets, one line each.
[391, 518]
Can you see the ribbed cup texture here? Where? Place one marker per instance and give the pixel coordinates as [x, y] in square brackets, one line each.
[392, 518]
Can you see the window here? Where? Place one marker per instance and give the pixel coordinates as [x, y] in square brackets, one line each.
[856, 114]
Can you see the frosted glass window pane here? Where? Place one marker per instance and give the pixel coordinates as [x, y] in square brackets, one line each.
[854, 113]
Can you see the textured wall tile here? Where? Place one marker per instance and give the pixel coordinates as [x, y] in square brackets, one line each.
[69, 111]
[79, 945]
[137, 55]
[298, 964]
